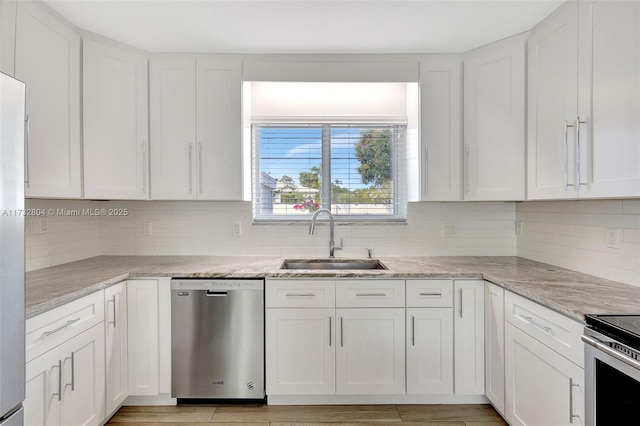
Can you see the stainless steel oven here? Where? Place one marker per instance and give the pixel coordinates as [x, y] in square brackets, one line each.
[612, 370]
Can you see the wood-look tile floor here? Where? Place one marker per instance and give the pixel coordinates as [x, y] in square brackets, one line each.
[310, 415]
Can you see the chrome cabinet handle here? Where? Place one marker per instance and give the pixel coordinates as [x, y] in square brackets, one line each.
[112, 300]
[190, 169]
[571, 415]
[430, 294]
[426, 169]
[66, 324]
[535, 324]
[466, 168]
[300, 295]
[341, 333]
[566, 156]
[200, 166]
[330, 337]
[578, 123]
[27, 172]
[144, 167]
[460, 307]
[371, 294]
[413, 330]
[73, 371]
[59, 394]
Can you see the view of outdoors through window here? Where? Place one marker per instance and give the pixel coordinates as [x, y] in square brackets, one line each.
[360, 163]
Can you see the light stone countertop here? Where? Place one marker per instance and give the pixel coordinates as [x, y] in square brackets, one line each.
[571, 293]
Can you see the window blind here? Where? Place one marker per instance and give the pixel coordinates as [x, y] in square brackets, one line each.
[355, 170]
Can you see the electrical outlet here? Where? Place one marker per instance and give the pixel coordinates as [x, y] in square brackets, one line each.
[237, 228]
[613, 238]
[44, 226]
[519, 227]
[449, 229]
[146, 229]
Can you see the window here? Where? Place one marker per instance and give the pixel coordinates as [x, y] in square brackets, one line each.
[354, 169]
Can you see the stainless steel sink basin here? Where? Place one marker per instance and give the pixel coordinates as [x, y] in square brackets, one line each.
[332, 264]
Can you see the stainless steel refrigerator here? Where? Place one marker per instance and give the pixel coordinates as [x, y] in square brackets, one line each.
[12, 302]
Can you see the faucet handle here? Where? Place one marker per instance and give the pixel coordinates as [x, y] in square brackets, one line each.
[369, 251]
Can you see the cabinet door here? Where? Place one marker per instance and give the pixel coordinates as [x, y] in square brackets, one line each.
[172, 103]
[609, 99]
[115, 123]
[142, 315]
[494, 344]
[300, 351]
[469, 337]
[116, 346]
[219, 148]
[370, 351]
[44, 389]
[440, 129]
[47, 59]
[430, 351]
[83, 378]
[7, 35]
[494, 87]
[542, 387]
[552, 105]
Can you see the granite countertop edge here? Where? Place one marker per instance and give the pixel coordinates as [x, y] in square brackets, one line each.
[559, 289]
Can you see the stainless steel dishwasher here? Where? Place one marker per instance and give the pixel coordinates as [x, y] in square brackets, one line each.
[217, 339]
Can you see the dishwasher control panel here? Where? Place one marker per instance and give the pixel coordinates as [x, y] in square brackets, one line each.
[217, 284]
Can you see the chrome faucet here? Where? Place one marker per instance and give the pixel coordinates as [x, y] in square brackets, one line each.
[312, 227]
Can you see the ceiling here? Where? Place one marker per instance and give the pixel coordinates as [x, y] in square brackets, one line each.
[305, 26]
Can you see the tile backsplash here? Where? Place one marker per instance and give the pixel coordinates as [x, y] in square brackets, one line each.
[206, 228]
[572, 234]
[569, 234]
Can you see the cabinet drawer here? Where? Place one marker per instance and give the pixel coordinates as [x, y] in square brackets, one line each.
[560, 333]
[51, 328]
[300, 293]
[429, 293]
[370, 293]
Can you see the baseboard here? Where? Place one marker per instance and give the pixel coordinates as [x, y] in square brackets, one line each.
[374, 399]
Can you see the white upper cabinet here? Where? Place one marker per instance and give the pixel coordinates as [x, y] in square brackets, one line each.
[440, 128]
[494, 135]
[218, 127]
[609, 99]
[47, 59]
[172, 92]
[115, 123]
[195, 128]
[7, 35]
[584, 102]
[552, 104]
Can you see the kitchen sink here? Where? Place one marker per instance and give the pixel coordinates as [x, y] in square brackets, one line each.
[332, 264]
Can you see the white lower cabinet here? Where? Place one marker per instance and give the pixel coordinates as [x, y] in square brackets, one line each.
[370, 356]
[429, 350]
[494, 345]
[116, 346]
[149, 336]
[468, 333]
[65, 386]
[300, 351]
[542, 387]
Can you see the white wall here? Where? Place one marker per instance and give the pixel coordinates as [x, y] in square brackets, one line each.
[205, 228]
[571, 234]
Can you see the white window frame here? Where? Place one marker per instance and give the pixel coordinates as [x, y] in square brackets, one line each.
[398, 168]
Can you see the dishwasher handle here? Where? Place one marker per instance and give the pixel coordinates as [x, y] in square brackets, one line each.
[214, 293]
